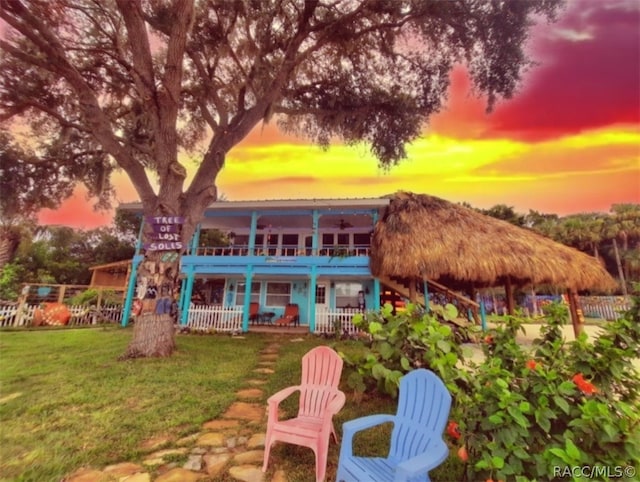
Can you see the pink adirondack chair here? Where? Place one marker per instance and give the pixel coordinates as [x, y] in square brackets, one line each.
[320, 400]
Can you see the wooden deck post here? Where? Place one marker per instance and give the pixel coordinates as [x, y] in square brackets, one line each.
[574, 312]
[413, 298]
[508, 289]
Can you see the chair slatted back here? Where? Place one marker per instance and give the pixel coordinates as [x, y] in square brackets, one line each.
[423, 409]
[321, 369]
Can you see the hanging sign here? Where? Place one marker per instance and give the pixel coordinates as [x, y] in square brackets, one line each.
[166, 228]
[166, 233]
[165, 219]
[163, 246]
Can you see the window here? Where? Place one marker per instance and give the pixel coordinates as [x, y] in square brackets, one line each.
[347, 294]
[255, 293]
[241, 240]
[259, 244]
[343, 239]
[321, 294]
[289, 244]
[278, 294]
[361, 239]
[327, 239]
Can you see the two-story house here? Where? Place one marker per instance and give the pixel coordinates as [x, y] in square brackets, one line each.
[310, 253]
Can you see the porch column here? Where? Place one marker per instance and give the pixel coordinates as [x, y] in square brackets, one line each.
[376, 294]
[425, 288]
[131, 289]
[195, 240]
[252, 233]
[184, 316]
[314, 237]
[312, 297]
[376, 281]
[247, 298]
[181, 301]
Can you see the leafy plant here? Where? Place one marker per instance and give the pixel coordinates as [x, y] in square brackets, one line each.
[523, 411]
[400, 343]
[91, 296]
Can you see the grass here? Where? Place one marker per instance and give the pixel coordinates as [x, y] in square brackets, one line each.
[66, 402]
[299, 462]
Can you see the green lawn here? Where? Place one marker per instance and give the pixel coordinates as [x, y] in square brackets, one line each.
[67, 402]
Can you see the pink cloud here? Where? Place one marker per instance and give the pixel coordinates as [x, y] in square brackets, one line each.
[589, 76]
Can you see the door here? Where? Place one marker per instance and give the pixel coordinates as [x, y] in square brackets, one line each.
[321, 298]
[323, 323]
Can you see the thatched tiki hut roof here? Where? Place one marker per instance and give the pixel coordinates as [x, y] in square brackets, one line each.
[424, 237]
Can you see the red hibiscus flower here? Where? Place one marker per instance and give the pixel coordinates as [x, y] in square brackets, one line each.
[583, 385]
[453, 430]
[531, 364]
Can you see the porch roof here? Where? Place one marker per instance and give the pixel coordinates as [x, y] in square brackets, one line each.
[284, 204]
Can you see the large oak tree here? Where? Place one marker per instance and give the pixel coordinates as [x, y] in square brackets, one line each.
[132, 83]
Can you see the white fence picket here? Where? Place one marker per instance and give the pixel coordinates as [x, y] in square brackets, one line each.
[14, 315]
[215, 318]
[607, 307]
[328, 320]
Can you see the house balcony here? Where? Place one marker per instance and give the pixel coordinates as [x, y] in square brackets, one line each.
[279, 260]
[285, 251]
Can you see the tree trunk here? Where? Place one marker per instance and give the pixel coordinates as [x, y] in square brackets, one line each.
[623, 282]
[155, 305]
[153, 336]
[8, 244]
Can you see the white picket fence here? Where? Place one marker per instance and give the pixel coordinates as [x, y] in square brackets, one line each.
[14, 315]
[215, 318]
[607, 307]
[327, 321]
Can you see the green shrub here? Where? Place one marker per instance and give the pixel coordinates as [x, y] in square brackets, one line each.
[400, 343]
[522, 414]
[91, 295]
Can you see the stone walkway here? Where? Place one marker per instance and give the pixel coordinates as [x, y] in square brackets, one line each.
[228, 448]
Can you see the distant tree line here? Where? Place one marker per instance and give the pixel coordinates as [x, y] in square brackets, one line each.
[613, 237]
[63, 255]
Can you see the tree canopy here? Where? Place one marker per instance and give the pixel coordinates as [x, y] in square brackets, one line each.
[129, 84]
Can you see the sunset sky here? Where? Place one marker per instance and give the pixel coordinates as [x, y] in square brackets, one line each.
[568, 142]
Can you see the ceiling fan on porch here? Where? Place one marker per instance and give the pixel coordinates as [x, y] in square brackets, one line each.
[342, 225]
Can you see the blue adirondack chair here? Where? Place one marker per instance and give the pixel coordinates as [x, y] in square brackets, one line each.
[416, 440]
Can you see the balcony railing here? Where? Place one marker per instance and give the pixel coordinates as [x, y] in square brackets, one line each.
[284, 250]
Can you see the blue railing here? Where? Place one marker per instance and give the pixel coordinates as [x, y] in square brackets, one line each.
[284, 250]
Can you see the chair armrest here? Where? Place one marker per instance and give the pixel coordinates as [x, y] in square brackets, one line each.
[422, 463]
[350, 428]
[336, 404]
[277, 397]
[274, 401]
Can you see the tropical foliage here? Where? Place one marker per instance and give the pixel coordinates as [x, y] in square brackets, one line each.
[522, 413]
[59, 254]
[613, 237]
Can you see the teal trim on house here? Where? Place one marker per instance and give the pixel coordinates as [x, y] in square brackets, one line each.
[247, 298]
[184, 316]
[426, 296]
[131, 288]
[312, 299]
[311, 243]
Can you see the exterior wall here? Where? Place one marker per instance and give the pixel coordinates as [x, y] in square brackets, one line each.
[261, 250]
